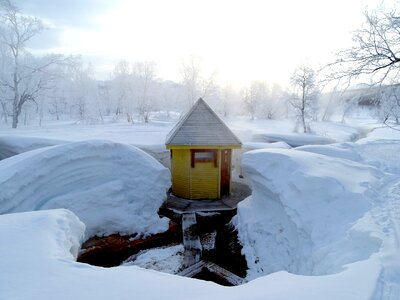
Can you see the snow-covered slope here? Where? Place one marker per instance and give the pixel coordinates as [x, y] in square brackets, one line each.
[12, 145]
[37, 263]
[301, 216]
[329, 217]
[292, 139]
[344, 150]
[112, 187]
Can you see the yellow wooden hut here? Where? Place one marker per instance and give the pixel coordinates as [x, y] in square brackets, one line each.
[201, 152]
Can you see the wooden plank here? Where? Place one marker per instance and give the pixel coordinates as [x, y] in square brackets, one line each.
[193, 270]
[223, 273]
[191, 239]
[198, 267]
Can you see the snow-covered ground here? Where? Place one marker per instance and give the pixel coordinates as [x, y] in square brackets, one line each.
[322, 223]
[102, 182]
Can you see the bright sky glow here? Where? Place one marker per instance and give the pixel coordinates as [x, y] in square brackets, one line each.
[240, 40]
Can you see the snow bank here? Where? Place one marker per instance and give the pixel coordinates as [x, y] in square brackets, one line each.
[238, 153]
[383, 154]
[12, 145]
[344, 151]
[292, 139]
[301, 214]
[338, 131]
[111, 187]
[254, 146]
[38, 264]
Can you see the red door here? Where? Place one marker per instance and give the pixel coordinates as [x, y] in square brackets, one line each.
[225, 171]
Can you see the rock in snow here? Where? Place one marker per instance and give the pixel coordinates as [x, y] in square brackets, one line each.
[111, 187]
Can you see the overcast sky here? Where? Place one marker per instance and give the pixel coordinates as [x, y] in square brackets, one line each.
[240, 40]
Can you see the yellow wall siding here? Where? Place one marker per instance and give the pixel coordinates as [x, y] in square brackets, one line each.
[180, 166]
[203, 146]
[204, 181]
[201, 182]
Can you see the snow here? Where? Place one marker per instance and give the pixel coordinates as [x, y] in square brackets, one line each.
[135, 134]
[344, 150]
[282, 130]
[48, 271]
[165, 259]
[12, 145]
[111, 187]
[293, 139]
[302, 211]
[322, 222]
[253, 146]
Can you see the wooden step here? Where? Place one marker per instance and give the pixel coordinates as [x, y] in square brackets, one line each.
[198, 267]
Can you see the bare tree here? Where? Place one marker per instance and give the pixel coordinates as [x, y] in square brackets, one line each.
[144, 73]
[389, 98]
[4, 112]
[261, 101]
[376, 50]
[196, 84]
[190, 73]
[229, 99]
[122, 90]
[250, 100]
[375, 56]
[26, 76]
[305, 93]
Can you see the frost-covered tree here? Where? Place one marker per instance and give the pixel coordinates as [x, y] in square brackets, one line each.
[389, 100]
[122, 90]
[375, 52]
[23, 76]
[170, 94]
[144, 88]
[250, 100]
[229, 100]
[83, 93]
[191, 80]
[195, 84]
[305, 93]
[374, 56]
[270, 102]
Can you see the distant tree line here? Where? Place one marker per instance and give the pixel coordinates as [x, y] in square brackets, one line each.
[34, 88]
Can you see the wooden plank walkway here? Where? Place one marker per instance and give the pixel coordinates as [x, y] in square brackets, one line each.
[198, 267]
[191, 240]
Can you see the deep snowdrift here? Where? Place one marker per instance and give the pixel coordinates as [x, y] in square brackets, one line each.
[303, 212]
[37, 261]
[111, 187]
[292, 139]
[13, 145]
[344, 150]
[38, 264]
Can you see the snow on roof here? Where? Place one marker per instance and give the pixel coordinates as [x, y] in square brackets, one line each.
[201, 126]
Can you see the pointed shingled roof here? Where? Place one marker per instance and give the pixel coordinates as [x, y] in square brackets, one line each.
[201, 127]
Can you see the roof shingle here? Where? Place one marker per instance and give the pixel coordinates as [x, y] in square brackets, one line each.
[201, 127]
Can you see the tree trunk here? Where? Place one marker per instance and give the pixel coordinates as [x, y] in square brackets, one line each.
[15, 115]
[3, 106]
[16, 99]
[303, 108]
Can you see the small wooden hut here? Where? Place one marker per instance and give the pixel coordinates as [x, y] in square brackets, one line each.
[201, 152]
